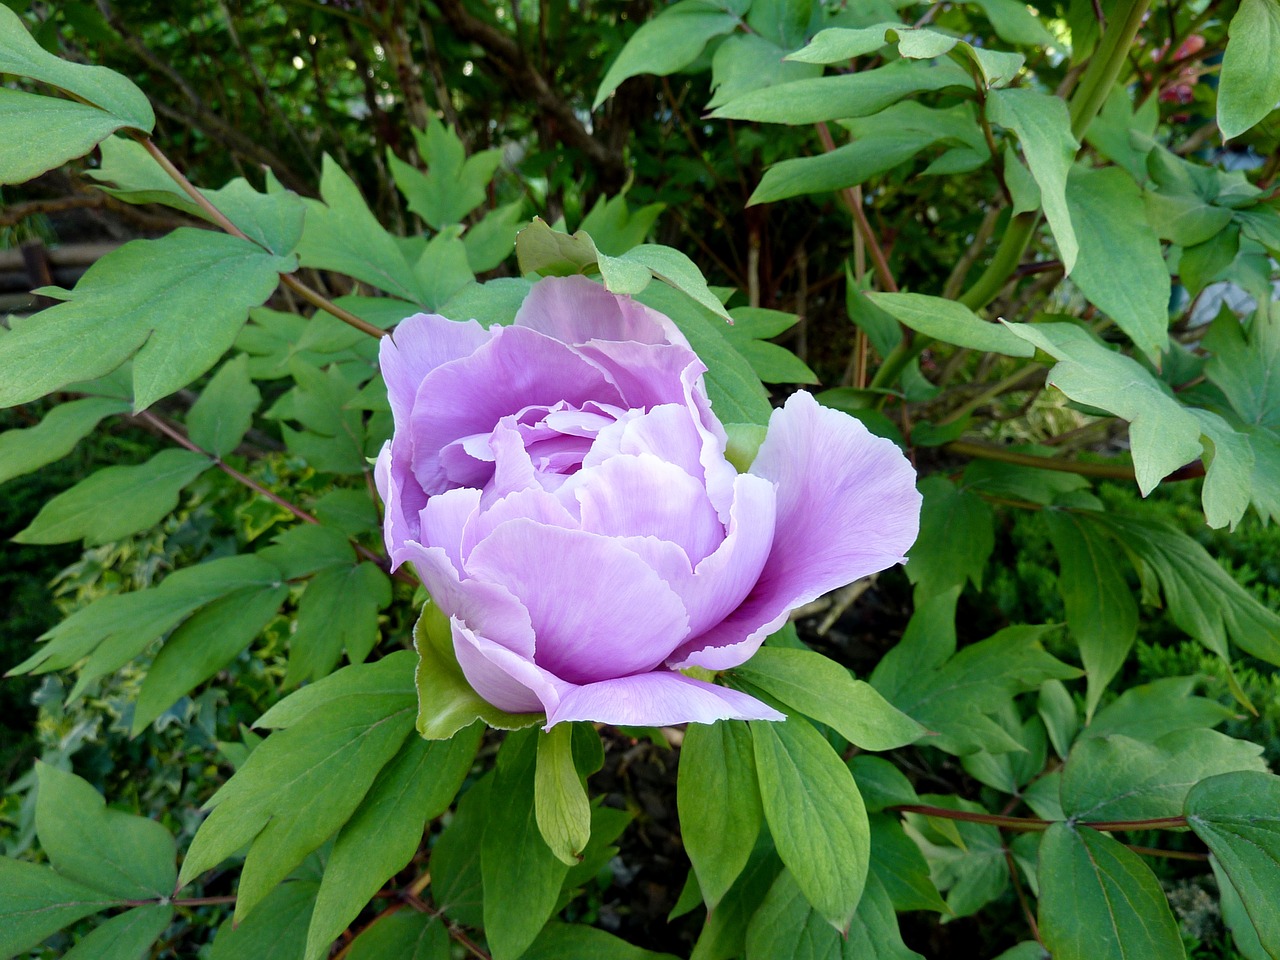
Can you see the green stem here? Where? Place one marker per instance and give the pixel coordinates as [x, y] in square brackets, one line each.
[989, 451]
[1105, 65]
[1008, 383]
[1013, 245]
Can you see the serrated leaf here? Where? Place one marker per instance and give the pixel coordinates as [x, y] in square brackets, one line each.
[822, 689]
[303, 783]
[218, 421]
[1044, 130]
[1163, 434]
[521, 875]
[342, 234]
[815, 814]
[1250, 83]
[1121, 268]
[786, 927]
[951, 322]
[1117, 778]
[417, 786]
[338, 611]
[202, 646]
[138, 301]
[1102, 616]
[37, 903]
[1099, 901]
[1238, 816]
[116, 501]
[126, 936]
[719, 804]
[125, 856]
[670, 41]
[403, 935]
[22, 451]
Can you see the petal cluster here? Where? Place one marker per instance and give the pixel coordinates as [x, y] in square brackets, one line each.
[561, 488]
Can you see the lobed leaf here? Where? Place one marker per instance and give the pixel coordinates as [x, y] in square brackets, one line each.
[22, 451]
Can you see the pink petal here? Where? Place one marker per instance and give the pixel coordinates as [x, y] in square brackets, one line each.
[402, 499]
[417, 346]
[517, 368]
[505, 679]
[646, 374]
[657, 699]
[847, 507]
[444, 518]
[597, 609]
[575, 310]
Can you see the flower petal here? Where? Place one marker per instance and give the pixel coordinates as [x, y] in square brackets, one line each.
[444, 518]
[417, 346]
[517, 368]
[597, 609]
[575, 310]
[403, 500]
[646, 374]
[657, 699]
[644, 496]
[504, 679]
[847, 507]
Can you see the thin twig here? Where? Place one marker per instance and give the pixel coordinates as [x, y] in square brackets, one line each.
[1022, 896]
[881, 265]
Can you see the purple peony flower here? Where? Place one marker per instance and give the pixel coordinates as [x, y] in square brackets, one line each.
[560, 486]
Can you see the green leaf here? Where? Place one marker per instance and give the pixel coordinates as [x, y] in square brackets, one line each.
[967, 860]
[1099, 901]
[1044, 130]
[21, 56]
[1238, 816]
[735, 391]
[453, 185]
[22, 451]
[786, 927]
[1109, 131]
[807, 681]
[957, 535]
[560, 796]
[615, 228]
[218, 421]
[63, 130]
[276, 932]
[203, 645]
[442, 269]
[1202, 598]
[751, 330]
[815, 814]
[576, 941]
[1154, 709]
[746, 61]
[1121, 268]
[880, 782]
[543, 250]
[896, 861]
[338, 611]
[404, 935]
[446, 701]
[1247, 368]
[723, 935]
[1163, 434]
[116, 501]
[844, 96]
[1014, 23]
[957, 698]
[1250, 83]
[138, 301]
[342, 234]
[1236, 918]
[1058, 712]
[126, 936]
[1118, 778]
[37, 903]
[670, 41]
[123, 855]
[1102, 616]
[522, 877]
[303, 783]
[846, 166]
[493, 239]
[719, 804]
[417, 786]
[668, 265]
[950, 321]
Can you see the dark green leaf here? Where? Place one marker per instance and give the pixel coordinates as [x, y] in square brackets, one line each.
[219, 420]
[956, 537]
[896, 861]
[138, 301]
[746, 62]
[203, 645]
[338, 611]
[815, 814]
[22, 451]
[575, 941]
[966, 860]
[404, 935]
[719, 803]
[126, 936]
[37, 902]
[126, 856]
[1099, 901]
[417, 786]
[1154, 709]
[276, 932]
[880, 782]
[522, 877]
[116, 501]
[846, 166]
[723, 936]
